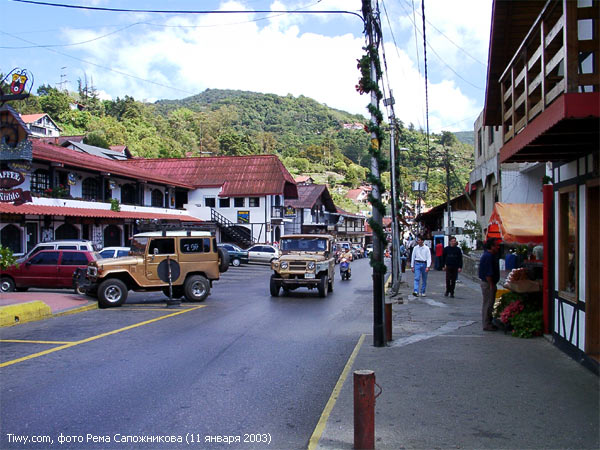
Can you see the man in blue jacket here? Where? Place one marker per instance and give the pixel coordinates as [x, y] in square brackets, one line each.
[489, 274]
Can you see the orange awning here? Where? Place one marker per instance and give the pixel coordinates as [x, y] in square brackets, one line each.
[517, 223]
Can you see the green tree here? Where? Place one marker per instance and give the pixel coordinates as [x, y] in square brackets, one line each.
[55, 103]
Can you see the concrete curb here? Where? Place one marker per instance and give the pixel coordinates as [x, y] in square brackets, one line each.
[24, 312]
[11, 315]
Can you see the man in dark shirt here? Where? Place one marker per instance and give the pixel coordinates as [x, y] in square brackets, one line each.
[489, 274]
[453, 262]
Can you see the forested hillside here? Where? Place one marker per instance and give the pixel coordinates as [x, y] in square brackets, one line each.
[309, 137]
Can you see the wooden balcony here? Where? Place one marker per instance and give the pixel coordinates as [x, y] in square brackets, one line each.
[559, 55]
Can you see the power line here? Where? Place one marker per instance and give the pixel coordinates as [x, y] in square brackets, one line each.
[102, 67]
[188, 11]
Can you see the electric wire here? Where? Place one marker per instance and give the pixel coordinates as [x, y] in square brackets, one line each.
[426, 97]
[185, 11]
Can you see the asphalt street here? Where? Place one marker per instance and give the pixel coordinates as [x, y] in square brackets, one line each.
[241, 364]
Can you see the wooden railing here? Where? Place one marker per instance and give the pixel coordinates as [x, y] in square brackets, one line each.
[557, 56]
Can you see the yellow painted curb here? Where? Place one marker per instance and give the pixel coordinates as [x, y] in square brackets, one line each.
[23, 312]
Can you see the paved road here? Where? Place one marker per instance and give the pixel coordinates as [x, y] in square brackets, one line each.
[241, 363]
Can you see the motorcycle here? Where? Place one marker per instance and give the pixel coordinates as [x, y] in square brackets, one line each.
[345, 271]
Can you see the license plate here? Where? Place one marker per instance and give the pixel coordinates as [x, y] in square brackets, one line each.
[309, 275]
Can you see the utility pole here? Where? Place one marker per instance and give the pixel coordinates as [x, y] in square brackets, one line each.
[395, 241]
[378, 282]
[448, 207]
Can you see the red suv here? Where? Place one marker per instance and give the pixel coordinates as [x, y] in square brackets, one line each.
[45, 269]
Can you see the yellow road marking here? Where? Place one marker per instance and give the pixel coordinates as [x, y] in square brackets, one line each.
[22, 341]
[314, 439]
[99, 336]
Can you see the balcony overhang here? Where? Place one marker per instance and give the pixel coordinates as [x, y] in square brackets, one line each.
[566, 129]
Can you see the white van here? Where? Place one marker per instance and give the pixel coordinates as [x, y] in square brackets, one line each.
[65, 244]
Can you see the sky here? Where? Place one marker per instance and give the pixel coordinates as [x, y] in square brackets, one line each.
[152, 56]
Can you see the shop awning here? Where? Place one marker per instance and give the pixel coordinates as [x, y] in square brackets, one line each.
[517, 223]
[42, 210]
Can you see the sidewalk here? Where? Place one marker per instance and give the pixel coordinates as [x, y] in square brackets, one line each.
[448, 384]
[38, 304]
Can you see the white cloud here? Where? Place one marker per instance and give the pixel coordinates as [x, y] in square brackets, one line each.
[279, 55]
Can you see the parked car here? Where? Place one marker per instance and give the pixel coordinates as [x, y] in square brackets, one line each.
[263, 253]
[46, 269]
[63, 244]
[114, 252]
[237, 256]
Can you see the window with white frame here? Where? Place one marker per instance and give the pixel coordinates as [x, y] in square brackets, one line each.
[210, 202]
[254, 202]
[239, 202]
[224, 203]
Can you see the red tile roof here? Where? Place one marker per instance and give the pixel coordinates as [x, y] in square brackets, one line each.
[237, 175]
[30, 118]
[30, 208]
[73, 158]
[308, 194]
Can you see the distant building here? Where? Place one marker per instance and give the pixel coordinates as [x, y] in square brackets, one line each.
[41, 125]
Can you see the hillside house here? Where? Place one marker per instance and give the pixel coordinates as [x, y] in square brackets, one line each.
[41, 125]
[543, 86]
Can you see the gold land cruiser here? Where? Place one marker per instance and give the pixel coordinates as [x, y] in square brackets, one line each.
[195, 263]
[307, 260]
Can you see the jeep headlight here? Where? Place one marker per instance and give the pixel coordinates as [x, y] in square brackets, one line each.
[311, 265]
[284, 265]
[92, 271]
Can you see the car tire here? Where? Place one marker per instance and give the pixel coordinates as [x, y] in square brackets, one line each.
[197, 288]
[7, 285]
[78, 289]
[223, 260]
[235, 262]
[274, 288]
[111, 293]
[323, 286]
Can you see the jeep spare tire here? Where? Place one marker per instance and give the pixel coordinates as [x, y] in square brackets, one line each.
[112, 292]
[196, 288]
[223, 260]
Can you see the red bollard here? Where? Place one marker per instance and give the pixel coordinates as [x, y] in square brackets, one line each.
[364, 409]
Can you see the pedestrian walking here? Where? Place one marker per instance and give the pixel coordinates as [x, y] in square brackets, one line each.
[452, 264]
[420, 263]
[489, 274]
[439, 251]
[403, 257]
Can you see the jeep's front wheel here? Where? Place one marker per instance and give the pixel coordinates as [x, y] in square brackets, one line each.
[196, 288]
[323, 286]
[274, 287]
[112, 292]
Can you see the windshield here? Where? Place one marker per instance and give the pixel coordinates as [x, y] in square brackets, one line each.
[304, 245]
[138, 246]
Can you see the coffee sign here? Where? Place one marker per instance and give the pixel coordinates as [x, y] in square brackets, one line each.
[10, 179]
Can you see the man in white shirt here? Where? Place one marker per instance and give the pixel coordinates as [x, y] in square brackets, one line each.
[420, 263]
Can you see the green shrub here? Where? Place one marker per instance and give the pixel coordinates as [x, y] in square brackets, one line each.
[527, 324]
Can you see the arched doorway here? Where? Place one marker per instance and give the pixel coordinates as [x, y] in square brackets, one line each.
[10, 237]
[277, 234]
[67, 231]
[112, 236]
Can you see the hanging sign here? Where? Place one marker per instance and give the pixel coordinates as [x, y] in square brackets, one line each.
[10, 179]
[20, 85]
[243, 217]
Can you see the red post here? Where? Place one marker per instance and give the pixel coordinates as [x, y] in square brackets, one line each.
[364, 409]
[388, 321]
[548, 193]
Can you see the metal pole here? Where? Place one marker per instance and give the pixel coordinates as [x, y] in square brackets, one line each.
[378, 289]
[395, 243]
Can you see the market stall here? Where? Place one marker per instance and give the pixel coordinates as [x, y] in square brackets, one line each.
[521, 229]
